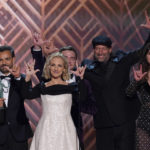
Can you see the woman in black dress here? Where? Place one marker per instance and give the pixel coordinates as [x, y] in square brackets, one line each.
[141, 86]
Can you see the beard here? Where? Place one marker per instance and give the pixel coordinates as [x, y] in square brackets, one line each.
[3, 68]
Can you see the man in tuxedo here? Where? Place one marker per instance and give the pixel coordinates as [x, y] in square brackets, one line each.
[14, 126]
[115, 119]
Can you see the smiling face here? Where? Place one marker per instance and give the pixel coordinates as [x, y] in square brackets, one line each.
[6, 60]
[71, 58]
[102, 53]
[56, 67]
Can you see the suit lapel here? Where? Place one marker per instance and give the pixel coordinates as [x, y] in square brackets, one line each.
[12, 87]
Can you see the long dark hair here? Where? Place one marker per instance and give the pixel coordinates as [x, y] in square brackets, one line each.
[144, 62]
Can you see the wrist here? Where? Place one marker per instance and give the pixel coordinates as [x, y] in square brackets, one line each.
[28, 78]
[37, 47]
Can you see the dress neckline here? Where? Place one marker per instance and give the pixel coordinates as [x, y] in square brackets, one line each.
[54, 85]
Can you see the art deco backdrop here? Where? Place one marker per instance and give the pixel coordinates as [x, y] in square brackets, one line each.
[71, 22]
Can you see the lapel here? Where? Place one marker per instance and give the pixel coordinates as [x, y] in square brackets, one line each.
[12, 87]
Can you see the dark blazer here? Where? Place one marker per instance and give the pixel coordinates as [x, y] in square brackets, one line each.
[15, 120]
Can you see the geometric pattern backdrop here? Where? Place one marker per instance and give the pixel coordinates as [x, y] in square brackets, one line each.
[71, 22]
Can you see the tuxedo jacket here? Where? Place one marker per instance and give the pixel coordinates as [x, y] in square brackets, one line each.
[14, 115]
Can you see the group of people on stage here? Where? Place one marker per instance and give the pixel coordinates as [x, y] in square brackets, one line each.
[101, 87]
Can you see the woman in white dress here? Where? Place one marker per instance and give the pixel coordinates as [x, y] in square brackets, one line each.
[55, 130]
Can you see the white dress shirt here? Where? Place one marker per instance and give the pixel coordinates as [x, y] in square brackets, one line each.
[6, 88]
[71, 80]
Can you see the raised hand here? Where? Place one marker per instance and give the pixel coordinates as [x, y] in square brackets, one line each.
[79, 71]
[37, 40]
[29, 68]
[49, 48]
[15, 70]
[138, 74]
[147, 24]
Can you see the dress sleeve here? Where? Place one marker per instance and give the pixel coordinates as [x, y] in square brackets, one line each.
[132, 88]
[30, 92]
[39, 61]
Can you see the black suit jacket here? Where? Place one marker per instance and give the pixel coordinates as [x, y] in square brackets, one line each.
[15, 120]
[109, 81]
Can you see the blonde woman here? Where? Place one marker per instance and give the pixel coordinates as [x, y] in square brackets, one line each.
[55, 130]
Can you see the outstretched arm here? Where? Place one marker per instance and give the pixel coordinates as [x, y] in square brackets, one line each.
[27, 90]
[36, 51]
[135, 56]
[49, 48]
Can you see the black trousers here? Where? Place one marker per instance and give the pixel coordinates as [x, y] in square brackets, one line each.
[11, 144]
[116, 138]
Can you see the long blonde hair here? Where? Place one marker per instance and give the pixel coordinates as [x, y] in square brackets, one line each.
[46, 70]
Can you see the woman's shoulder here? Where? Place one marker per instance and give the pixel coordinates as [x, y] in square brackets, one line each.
[55, 89]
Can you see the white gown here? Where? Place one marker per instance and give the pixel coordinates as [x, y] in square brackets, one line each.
[55, 130]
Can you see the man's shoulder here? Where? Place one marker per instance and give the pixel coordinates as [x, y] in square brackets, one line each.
[90, 64]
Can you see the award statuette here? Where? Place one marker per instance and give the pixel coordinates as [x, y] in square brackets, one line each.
[2, 109]
[1, 89]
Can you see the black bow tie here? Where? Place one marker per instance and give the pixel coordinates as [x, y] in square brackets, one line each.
[6, 77]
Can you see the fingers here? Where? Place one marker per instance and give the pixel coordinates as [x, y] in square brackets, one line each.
[9, 69]
[37, 70]
[144, 74]
[25, 64]
[135, 74]
[77, 65]
[141, 68]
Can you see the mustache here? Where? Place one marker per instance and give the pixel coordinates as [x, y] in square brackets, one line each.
[100, 55]
[4, 65]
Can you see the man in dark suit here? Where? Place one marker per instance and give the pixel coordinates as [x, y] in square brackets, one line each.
[115, 119]
[14, 126]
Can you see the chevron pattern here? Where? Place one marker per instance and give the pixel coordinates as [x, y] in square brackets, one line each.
[71, 22]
